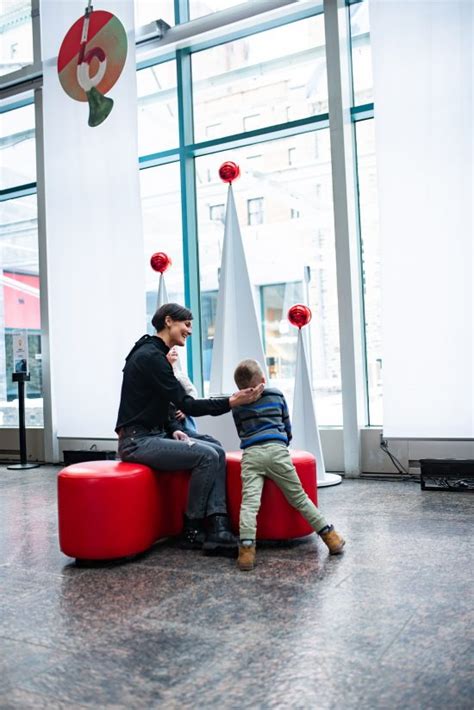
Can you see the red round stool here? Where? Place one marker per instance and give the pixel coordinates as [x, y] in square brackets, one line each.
[111, 509]
[277, 519]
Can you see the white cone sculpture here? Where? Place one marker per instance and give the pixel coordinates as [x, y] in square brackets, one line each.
[237, 331]
[303, 423]
[162, 292]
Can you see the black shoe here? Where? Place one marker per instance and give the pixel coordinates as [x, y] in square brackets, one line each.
[219, 533]
[193, 534]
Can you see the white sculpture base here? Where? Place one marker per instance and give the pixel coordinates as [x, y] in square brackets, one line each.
[223, 429]
[329, 479]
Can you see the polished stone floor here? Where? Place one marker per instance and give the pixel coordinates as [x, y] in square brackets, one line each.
[387, 625]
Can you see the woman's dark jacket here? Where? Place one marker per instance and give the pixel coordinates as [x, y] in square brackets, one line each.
[149, 385]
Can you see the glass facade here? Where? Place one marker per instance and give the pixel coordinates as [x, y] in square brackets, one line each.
[20, 308]
[371, 265]
[161, 213]
[274, 201]
[147, 11]
[16, 32]
[157, 108]
[266, 79]
[17, 145]
[262, 101]
[361, 54]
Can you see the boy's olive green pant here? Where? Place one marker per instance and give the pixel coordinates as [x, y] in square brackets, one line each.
[272, 460]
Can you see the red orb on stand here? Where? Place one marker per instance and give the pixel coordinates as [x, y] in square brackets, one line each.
[160, 261]
[229, 171]
[299, 315]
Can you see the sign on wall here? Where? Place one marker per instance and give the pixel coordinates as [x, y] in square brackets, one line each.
[91, 59]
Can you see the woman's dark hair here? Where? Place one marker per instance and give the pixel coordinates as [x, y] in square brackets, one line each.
[174, 311]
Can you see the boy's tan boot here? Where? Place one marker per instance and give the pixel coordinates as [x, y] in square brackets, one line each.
[334, 541]
[246, 560]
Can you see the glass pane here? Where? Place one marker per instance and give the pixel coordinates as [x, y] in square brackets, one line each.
[285, 189]
[17, 147]
[161, 211]
[371, 264]
[265, 79]
[20, 309]
[198, 8]
[148, 10]
[361, 54]
[16, 46]
[157, 109]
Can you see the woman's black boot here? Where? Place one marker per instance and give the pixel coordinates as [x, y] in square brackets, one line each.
[219, 533]
[193, 534]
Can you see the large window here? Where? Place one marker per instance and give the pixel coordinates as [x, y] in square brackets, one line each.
[147, 11]
[371, 265]
[272, 80]
[265, 79]
[17, 145]
[361, 53]
[20, 308]
[161, 210]
[157, 108]
[293, 232]
[16, 45]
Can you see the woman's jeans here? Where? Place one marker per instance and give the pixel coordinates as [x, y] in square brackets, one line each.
[202, 454]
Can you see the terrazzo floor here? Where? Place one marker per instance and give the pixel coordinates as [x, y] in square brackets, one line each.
[387, 625]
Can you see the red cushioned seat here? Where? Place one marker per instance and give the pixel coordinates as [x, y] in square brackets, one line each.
[111, 509]
[277, 519]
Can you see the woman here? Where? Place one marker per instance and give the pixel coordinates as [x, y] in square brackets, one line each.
[147, 434]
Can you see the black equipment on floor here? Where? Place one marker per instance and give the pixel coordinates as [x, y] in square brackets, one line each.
[447, 474]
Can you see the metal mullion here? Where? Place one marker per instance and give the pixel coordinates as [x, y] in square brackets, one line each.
[161, 158]
[192, 286]
[17, 104]
[36, 29]
[361, 113]
[181, 11]
[260, 135]
[12, 193]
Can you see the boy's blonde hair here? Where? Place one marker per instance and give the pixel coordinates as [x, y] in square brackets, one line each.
[248, 373]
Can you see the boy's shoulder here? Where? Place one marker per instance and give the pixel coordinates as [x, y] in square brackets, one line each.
[272, 391]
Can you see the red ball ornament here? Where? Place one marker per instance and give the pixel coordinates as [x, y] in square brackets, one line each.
[160, 261]
[229, 171]
[299, 315]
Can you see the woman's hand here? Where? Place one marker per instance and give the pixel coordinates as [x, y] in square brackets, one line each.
[247, 396]
[180, 436]
[180, 416]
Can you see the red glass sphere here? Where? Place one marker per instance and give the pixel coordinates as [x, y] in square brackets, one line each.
[160, 261]
[229, 171]
[299, 315]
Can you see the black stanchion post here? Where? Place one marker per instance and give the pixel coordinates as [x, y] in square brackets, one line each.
[21, 378]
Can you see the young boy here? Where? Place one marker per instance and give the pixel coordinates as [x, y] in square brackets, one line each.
[265, 431]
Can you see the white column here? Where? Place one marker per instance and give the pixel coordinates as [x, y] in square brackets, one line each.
[345, 223]
[91, 244]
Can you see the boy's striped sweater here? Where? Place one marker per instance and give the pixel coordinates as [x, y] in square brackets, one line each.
[267, 419]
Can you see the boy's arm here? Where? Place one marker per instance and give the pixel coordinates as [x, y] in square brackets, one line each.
[286, 420]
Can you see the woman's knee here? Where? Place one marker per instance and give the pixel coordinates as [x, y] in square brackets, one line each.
[209, 455]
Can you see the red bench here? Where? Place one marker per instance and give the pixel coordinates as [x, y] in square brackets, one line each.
[277, 519]
[111, 509]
